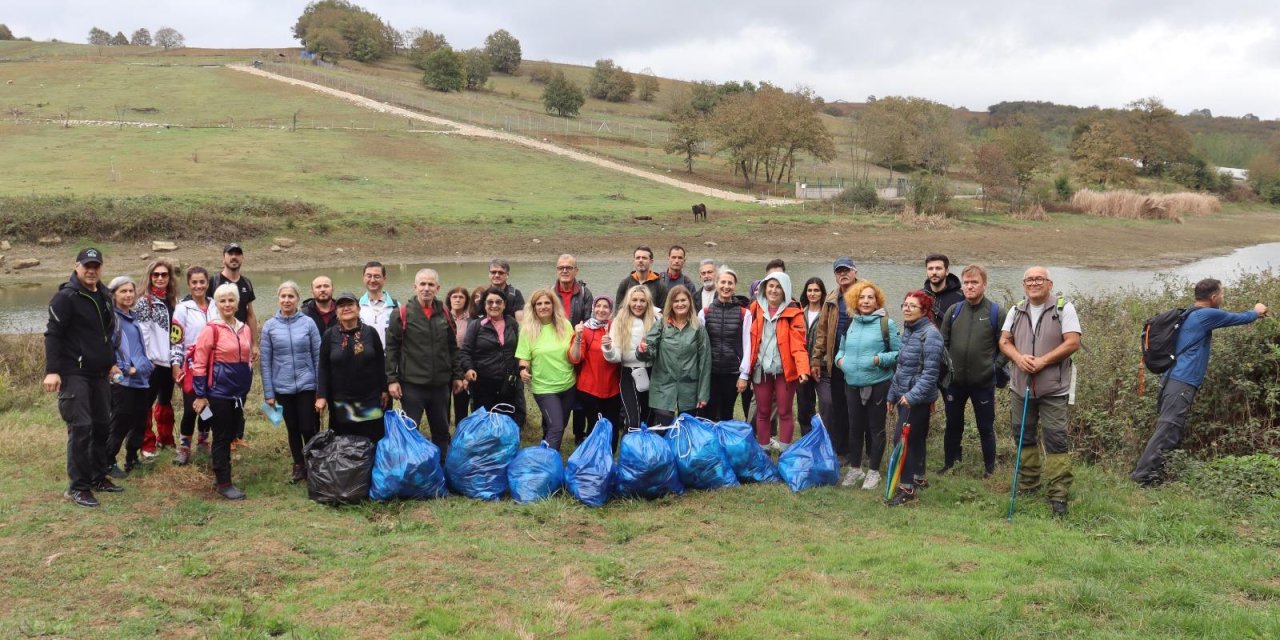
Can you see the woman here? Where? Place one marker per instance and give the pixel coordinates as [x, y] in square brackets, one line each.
[353, 374]
[723, 319]
[189, 319]
[815, 292]
[222, 375]
[153, 312]
[477, 299]
[867, 355]
[543, 352]
[290, 353]
[598, 391]
[776, 358]
[461, 311]
[129, 394]
[680, 352]
[488, 355]
[631, 323]
[914, 388]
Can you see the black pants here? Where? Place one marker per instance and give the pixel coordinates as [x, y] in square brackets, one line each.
[461, 406]
[806, 405]
[835, 410]
[190, 417]
[228, 415]
[635, 404]
[918, 417]
[555, 409]
[129, 409]
[984, 413]
[85, 406]
[724, 395]
[1174, 404]
[867, 413]
[434, 401]
[593, 407]
[300, 419]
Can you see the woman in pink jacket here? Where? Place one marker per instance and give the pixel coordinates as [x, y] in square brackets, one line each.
[221, 375]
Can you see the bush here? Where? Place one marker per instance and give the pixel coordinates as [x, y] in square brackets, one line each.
[30, 217]
[1234, 479]
[1062, 187]
[861, 195]
[929, 194]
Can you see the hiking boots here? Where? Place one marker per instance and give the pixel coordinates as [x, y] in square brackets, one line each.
[183, 456]
[299, 474]
[81, 498]
[107, 485]
[853, 477]
[1059, 508]
[901, 497]
[230, 491]
[872, 480]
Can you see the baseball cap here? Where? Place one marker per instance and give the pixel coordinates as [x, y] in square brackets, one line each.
[843, 262]
[89, 255]
[346, 296]
[232, 247]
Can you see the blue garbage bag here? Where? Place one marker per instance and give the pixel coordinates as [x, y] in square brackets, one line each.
[700, 458]
[407, 465]
[589, 473]
[483, 445]
[750, 462]
[646, 466]
[810, 461]
[535, 474]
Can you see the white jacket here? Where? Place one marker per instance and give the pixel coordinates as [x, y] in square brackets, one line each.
[188, 321]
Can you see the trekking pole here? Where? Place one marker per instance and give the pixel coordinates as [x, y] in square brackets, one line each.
[1017, 465]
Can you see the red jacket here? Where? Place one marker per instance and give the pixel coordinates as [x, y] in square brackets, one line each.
[596, 375]
[791, 340]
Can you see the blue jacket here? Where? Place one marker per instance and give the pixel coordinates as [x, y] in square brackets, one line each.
[131, 352]
[1195, 340]
[859, 347]
[919, 364]
[290, 351]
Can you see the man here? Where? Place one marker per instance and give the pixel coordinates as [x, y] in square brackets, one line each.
[776, 264]
[943, 285]
[232, 261]
[1038, 336]
[80, 359]
[423, 370]
[707, 274]
[1194, 342]
[971, 331]
[320, 308]
[674, 275]
[376, 305]
[499, 271]
[573, 293]
[832, 324]
[642, 258]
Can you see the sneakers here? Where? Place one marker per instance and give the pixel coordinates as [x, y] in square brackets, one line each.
[299, 474]
[230, 492]
[783, 446]
[944, 469]
[901, 497]
[872, 480]
[921, 483]
[774, 445]
[81, 498]
[183, 456]
[1059, 508]
[853, 477]
[147, 455]
[202, 442]
[116, 472]
[107, 485]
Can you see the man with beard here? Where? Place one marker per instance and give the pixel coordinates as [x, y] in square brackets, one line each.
[320, 308]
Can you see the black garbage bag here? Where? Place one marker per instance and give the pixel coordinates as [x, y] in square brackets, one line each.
[339, 468]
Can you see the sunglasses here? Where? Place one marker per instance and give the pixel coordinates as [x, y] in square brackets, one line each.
[160, 274]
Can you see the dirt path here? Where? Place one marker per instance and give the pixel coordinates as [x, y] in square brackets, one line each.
[481, 132]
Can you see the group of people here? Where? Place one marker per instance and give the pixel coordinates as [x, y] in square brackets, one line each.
[663, 345]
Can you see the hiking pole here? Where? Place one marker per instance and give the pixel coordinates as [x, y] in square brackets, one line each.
[1017, 465]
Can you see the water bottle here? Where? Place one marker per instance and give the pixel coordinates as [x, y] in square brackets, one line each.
[117, 378]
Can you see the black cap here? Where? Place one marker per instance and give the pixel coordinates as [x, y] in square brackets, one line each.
[89, 255]
[346, 296]
[232, 247]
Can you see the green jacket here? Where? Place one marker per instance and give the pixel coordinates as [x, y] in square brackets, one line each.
[429, 354]
[973, 339]
[681, 374]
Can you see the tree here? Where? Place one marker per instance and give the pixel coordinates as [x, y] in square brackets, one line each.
[5, 33]
[562, 96]
[610, 82]
[504, 50]
[766, 130]
[119, 40]
[1158, 138]
[1026, 152]
[911, 132]
[476, 67]
[328, 44]
[688, 130]
[993, 172]
[169, 38]
[99, 37]
[704, 97]
[1103, 150]
[647, 85]
[367, 37]
[444, 71]
[424, 45]
[141, 38]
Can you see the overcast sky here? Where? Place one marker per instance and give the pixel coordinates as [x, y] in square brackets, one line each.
[1193, 54]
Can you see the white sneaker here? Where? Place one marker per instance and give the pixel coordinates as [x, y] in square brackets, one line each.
[783, 446]
[774, 445]
[853, 477]
[873, 480]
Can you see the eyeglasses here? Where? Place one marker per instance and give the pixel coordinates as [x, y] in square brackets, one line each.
[497, 272]
[558, 268]
[1036, 280]
[910, 306]
[160, 274]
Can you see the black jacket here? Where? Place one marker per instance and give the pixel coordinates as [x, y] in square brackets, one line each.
[80, 337]
[481, 350]
[309, 310]
[724, 328]
[579, 304]
[347, 376]
[942, 300]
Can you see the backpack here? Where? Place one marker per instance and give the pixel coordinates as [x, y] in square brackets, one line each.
[999, 375]
[1160, 339]
[944, 375]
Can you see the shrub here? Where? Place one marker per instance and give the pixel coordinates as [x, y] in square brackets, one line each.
[1133, 205]
[1062, 187]
[861, 195]
[929, 194]
[1234, 479]
[30, 217]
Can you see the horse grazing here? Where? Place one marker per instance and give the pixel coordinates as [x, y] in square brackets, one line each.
[699, 211]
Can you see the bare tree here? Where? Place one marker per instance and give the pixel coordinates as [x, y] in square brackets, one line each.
[169, 38]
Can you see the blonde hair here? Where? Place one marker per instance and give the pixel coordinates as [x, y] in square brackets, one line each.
[531, 326]
[851, 296]
[622, 318]
[227, 289]
[669, 315]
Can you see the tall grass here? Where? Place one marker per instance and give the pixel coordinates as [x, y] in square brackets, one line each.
[1144, 206]
[30, 217]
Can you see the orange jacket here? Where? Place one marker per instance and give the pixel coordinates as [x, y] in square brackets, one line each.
[791, 340]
